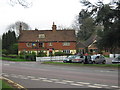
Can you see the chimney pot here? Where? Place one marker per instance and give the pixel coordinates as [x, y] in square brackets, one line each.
[54, 27]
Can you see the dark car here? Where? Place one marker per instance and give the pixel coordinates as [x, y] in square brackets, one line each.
[116, 60]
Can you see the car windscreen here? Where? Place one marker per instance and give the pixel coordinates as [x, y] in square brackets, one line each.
[71, 56]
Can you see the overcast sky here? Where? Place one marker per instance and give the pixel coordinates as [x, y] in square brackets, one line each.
[41, 15]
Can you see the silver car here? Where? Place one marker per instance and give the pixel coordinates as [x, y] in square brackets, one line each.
[116, 60]
[96, 59]
[69, 58]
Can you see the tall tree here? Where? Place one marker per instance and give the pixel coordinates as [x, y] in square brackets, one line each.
[15, 27]
[86, 24]
[107, 15]
[23, 3]
[8, 40]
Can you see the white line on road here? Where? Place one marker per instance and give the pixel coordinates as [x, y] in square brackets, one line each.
[6, 75]
[42, 78]
[47, 80]
[23, 78]
[6, 64]
[14, 76]
[115, 86]
[94, 86]
[35, 79]
[83, 83]
[67, 81]
[100, 85]
[76, 84]
[61, 82]
[30, 77]
[54, 79]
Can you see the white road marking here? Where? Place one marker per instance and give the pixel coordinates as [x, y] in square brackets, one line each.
[6, 75]
[23, 78]
[83, 83]
[115, 86]
[47, 80]
[14, 76]
[58, 81]
[54, 79]
[6, 64]
[20, 75]
[42, 78]
[35, 79]
[61, 82]
[12, 62]
[100, 85]
[67, 81]
[94, 86]
[76, 84]
[3, 73]
[30, 76]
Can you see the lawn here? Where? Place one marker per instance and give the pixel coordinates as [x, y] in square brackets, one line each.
[5, 86]
[13, 59]
[79, 64]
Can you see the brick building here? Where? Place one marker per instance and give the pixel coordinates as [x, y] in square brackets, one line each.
[48, 41]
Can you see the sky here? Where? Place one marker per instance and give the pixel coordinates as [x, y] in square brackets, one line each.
[41, 14]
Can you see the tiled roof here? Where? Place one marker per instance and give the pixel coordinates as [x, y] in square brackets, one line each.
[88, 42]
[58, 35]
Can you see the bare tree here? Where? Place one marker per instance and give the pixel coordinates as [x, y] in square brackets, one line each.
[24, 3]
[16, 26]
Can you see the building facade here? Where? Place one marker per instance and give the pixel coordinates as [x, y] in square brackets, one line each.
[47, 41]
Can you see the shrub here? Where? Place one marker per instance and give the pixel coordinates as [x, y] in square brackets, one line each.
[31, 57]
[5, 52]
[41, 54]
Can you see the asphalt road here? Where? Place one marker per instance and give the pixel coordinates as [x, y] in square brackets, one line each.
[37, 75]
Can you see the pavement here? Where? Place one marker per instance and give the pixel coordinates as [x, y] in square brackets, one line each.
[37, 75]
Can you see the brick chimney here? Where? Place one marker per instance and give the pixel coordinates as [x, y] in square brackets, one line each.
[20, 28]
[54, 27]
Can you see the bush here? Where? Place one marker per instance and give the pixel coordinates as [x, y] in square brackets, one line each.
[31, 57]
[28, 56]
[5, 52]
[41, 54]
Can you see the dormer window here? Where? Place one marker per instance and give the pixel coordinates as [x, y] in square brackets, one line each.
[41, 35]
[66, 43]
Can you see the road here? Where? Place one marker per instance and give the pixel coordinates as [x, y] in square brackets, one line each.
[37, 75]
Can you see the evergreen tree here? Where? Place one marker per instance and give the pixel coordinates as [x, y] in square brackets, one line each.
[8, 40]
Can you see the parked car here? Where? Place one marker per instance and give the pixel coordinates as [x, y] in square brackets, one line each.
[78, 59]
[87, 59]
[96, 59]
[116, 60]
[69, 58]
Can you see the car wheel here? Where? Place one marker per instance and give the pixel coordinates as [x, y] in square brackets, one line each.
[64, 61]
[93, 62]
[104, 62]
[90, 62]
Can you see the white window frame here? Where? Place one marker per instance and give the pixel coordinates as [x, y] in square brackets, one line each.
[66, 43]
[50, 44]
[41, 35]
[29, 44]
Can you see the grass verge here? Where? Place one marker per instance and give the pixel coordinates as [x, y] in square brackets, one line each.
[13, 59]
[5, 86]
[79, 64]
